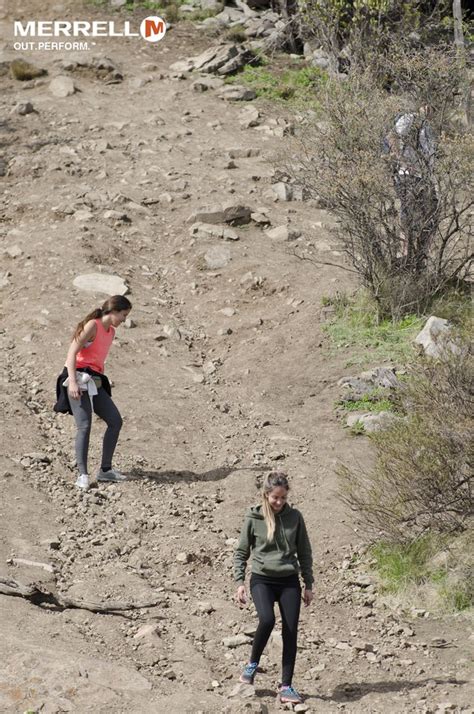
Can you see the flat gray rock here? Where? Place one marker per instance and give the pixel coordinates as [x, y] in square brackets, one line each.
[101, 283]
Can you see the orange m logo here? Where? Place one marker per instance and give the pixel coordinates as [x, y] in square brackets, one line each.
[154, 28]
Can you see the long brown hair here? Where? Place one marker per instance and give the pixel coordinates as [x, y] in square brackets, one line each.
[116, 303]
[273, 480]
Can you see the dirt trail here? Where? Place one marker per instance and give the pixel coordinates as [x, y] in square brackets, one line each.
[210, 401]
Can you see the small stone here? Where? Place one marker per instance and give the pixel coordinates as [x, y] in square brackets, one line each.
[249, 117]
[282, 191]
[24, 108]
[184, 557]
[236, 641]
[282, 233]
[13, 251]
[217, 257]
[242, 690]
[237, 93]
[62, 86]
[343, 646]
[150, 630]
[204, 608]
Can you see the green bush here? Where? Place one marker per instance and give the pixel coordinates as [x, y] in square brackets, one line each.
[422, 480]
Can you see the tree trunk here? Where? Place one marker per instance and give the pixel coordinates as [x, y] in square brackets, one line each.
[458, 31]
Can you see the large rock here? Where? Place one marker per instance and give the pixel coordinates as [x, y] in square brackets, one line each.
[101, 283]
[221, 59]
[372, 421]
[434, 337]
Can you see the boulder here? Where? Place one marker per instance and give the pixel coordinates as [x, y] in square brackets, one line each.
[434, 337]
[372, 421]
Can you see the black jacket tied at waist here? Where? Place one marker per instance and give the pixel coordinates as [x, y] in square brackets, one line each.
[62, 398]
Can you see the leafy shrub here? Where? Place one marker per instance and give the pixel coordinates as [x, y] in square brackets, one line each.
[407, 239]
[422, 479]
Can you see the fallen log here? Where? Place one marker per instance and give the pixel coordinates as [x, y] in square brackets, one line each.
[40, 595]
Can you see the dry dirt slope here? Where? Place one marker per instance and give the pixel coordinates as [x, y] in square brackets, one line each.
[205, 415]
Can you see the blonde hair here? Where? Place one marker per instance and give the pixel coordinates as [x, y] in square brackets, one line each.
[273, 480]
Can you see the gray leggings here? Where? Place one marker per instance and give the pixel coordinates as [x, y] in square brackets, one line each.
[106, 410]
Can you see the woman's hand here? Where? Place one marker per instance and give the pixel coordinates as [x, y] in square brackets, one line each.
[73, 390]
[241, 595]
[307, 597]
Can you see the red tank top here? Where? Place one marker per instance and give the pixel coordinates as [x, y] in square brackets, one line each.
[95, 353]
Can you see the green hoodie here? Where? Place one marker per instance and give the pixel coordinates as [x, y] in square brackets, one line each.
[289, 552]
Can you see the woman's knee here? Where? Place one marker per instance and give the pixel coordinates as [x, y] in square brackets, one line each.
[115, 422]
[266, 622]
[84, 429]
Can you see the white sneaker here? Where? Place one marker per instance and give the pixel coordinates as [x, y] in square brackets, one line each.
[83, 482]
[111, 475]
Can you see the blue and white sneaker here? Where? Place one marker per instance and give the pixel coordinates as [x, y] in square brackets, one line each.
[289, 695]
[248, 673]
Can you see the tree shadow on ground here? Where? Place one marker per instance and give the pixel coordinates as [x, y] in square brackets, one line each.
[350, 691]
[184, 476]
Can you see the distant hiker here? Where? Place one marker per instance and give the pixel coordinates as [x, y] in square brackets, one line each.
[274, 533]
[411, 148]
[82, 387]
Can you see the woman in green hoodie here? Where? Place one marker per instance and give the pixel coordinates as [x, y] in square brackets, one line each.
[276, 537]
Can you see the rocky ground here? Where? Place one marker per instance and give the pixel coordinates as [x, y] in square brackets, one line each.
[223, 374]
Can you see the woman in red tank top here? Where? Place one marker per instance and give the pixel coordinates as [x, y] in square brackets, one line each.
[88, 389]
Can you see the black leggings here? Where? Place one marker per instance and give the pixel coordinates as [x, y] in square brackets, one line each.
[287, 593]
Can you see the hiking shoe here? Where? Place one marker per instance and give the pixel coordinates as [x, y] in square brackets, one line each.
[111, 475]
[83, 482]
[289, 695]
[248, 673]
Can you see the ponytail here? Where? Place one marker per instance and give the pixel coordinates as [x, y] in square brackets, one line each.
[116, 303]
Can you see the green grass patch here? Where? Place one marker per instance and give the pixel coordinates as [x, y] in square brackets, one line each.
[295, 85]
[407, 570]
[402, 565]
[376, 400]
[358, 428]
[356, 326]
